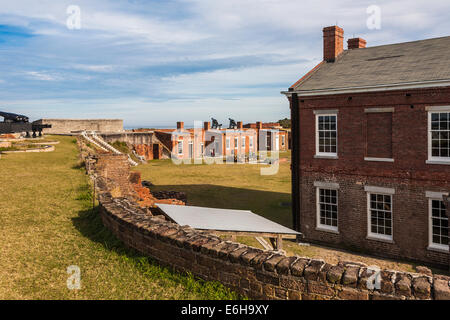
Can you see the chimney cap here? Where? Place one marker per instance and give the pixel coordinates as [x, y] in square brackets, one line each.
[356, 43]
[332, 28]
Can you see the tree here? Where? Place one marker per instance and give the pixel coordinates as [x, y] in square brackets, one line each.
[285, 123]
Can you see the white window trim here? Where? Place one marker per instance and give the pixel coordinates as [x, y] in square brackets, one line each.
[178, 146]
[191, 143]
[432, 195]
[379, 190]
[324, 227]
[431, 159]
[243, 142]
[332, 155]
[227, 143]
[379, 110]
[250, 142]
[376, 236]
[378, 159]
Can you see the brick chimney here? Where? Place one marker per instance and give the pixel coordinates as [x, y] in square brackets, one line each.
[240, 125]
[206, 125]
[333, 43]
[258, 125]
[180, 125]
[356, 43]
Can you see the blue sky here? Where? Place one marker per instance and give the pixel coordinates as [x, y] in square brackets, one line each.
[156, 62]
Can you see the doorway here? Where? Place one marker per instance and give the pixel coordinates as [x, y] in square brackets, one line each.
[156, 154]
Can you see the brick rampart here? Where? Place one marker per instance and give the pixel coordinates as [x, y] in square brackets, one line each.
[252, 272]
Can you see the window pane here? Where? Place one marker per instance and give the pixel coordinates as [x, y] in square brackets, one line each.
[439, 223]
[381, 214]
[328, 207]
[440, 134]
[327, 134]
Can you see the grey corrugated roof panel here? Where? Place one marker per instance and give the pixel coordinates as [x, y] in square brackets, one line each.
[416, 61]
[222, 219]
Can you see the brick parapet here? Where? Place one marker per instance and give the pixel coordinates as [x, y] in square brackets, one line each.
[254, 272]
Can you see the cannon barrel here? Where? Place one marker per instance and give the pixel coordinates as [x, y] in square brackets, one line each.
[12, 117]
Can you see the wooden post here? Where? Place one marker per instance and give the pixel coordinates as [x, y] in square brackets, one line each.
[279, 245]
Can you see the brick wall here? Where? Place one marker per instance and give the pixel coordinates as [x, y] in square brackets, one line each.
[409, 174]
[252, 272]
[410, 217]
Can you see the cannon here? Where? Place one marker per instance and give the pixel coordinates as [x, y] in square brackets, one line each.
[12, 117]
[215, 124]
[17, 123]
[233, 124]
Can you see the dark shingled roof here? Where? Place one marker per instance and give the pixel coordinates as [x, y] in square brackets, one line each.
[417, 61]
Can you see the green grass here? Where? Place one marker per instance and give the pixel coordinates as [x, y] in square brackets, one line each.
[121, 146]
[47, 223]
[231, 186]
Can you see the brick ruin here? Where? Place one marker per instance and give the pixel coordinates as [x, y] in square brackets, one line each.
[126, 210]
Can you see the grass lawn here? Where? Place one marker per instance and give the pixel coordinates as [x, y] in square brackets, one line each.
[47, 224]
[230, 186]
[240, 186]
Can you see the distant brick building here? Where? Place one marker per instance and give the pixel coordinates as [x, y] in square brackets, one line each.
[371, 148]
[277, 137]
[207, 142]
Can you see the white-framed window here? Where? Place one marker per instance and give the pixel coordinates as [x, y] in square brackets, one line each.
[438, 224]
[283, 140]
[191, 149]
[326, 134]
[236, 142]
[202, 148]
[327, 208]
[439, 134]
[379, 213]
[228, 143]
[180, 146]
[243, 143]
[250, 142]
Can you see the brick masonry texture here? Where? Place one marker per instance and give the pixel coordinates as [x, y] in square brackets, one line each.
[252, 272]
[406, 142]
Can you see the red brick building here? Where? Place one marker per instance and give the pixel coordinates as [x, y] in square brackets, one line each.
[207, 142]
[276, 138]
[371, 148]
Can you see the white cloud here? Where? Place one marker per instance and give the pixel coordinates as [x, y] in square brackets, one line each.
[94, 68]
[43, 76]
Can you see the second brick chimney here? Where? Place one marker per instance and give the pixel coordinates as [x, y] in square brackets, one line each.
[356, 43]
[206, 125]
[333, 43]
[240, 125]
[180, 125]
